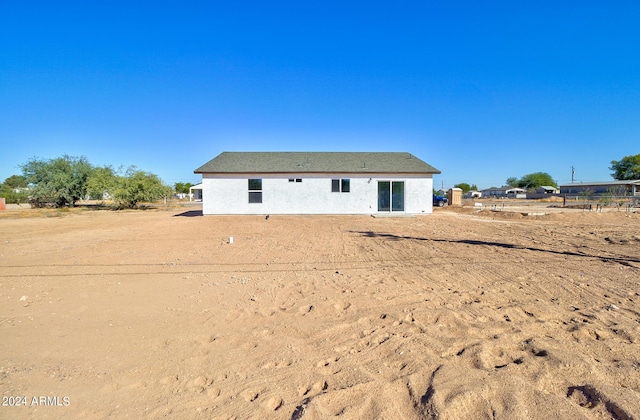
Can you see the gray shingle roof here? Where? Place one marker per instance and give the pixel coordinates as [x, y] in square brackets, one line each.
[317, 162]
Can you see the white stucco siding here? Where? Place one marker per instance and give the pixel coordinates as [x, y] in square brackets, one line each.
[230, 194]
[418, 195]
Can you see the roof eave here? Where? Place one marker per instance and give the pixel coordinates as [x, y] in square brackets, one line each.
[317, 172]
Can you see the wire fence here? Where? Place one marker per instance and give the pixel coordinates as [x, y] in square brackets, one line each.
[573, 201]
[598, 203]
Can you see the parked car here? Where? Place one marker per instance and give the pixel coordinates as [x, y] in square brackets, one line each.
[439, 200]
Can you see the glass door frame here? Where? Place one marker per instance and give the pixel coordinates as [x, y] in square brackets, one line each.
[386, 202]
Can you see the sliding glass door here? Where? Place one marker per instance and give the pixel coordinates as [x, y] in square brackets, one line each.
[390, 196]
[384, 195]
[397, 196]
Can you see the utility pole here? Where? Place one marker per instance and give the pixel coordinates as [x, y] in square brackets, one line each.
[573, 171]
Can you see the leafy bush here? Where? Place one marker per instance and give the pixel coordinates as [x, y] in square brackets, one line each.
[57, 182]
[12, 197]
[138, 186]
[63, 181]
[102, 182]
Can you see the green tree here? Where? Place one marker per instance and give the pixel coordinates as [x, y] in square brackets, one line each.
[512, 182]
[182, 187]
[15, 182]
[13, 190]
[627, 168]
[463, 186]
[137, 187]
[102, 182]
[532, 181]
[57, 182]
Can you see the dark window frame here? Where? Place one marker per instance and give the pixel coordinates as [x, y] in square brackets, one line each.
[335, 185]
[345, 185]
[341, 185]
[255, 190]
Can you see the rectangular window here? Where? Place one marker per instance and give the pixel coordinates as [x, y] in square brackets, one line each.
[298, 180]
[255, 191]
[346, 185]
[255, 185]
[341, 185]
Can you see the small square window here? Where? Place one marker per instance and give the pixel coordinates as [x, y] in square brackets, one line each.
[255, 197]
[255, 185]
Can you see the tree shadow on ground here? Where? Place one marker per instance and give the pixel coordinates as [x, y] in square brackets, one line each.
[190, 213]
[624, 260]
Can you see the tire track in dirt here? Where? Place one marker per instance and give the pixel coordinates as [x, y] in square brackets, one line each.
[432, 317]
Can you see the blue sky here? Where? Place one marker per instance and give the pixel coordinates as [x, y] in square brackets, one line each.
[481, 90]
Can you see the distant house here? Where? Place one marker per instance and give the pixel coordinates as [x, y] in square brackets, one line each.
[516, 193]
[494, 192]
[630, 187]
[546, 189]
[195, 192]
[472, 194]
[316, 183]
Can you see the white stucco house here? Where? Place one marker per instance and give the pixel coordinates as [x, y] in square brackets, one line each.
[316, 183]
[195, 192]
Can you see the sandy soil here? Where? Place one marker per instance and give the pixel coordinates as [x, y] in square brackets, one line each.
[463, 314]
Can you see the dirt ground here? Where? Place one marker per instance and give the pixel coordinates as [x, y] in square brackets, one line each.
[462, 314]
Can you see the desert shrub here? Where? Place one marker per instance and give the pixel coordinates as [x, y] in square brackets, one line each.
[102, 183]
[14, 197]
[63, 181]
[57, 182]
[138, 187]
